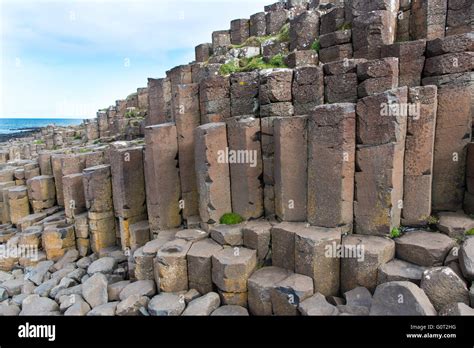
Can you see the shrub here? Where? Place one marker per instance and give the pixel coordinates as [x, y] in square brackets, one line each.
[470, 232]
[231, 219]
[38, 142]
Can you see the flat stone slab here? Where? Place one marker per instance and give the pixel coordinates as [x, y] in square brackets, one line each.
[454, 224]
[399, 270]
[424, 248]
[228, 234]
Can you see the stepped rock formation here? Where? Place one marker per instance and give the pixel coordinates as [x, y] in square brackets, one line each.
[338, 134]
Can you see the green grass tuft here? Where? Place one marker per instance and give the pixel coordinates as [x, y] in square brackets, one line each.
[284, 33]
[38, 142]
[251, 64]
[316, 46]
[231, 219]
[432, 220]
[395, 233]
[469, 232]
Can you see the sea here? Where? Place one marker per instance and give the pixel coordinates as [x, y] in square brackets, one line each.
[18, 125]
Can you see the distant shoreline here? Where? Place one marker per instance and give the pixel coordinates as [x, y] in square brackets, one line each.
[19, 134]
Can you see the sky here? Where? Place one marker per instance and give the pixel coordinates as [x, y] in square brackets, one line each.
[69, 58]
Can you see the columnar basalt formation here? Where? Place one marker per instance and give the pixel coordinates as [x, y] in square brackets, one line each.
[187, 119]
[290, 168]
[212, 171]
[380, 150]
[162, 177]
[331, 164]
[128, 185]
[314, 159]
[99, 203]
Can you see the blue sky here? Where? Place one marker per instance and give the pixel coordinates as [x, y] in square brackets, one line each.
[69, 58]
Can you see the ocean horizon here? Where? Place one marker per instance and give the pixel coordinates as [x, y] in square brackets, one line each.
[17, 125]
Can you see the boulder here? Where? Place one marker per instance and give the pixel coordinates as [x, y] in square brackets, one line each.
[94, 290]
[318, 306]
[34, 305]
[401, 298]
[105, 265]
[141, 287]
[466, 258]
[204, 305]
[166, 304]
[444, 287]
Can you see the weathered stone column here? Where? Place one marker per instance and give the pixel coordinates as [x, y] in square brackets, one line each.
[98, 195]
[163, 187]
[18, 203]
[380, 151]
[214, 99]
[128, 186]
[448, 66]
[159, 101]
[179, 75]
[331, 157]
[419, 148]
[373, 26]
[459, 17]
[411, 60]
[74, 199]
[340, 81]
[469, 194]
[187, 119]
[377, 76]
[41, 192]
[4, 187]
[44, 160]
[244, 93]
[290, 168]
[245, 166]
[428, 19]
[308, 89]
[212, 171]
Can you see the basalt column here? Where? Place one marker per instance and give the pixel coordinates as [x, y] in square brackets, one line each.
[163, 189]
[448, 65]
[128, 185]
[290, 168]
[331, 156]
[98, 194]
[381, 132]
[245, 166]
[419, 147]
[186, 104]
[212, 170]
